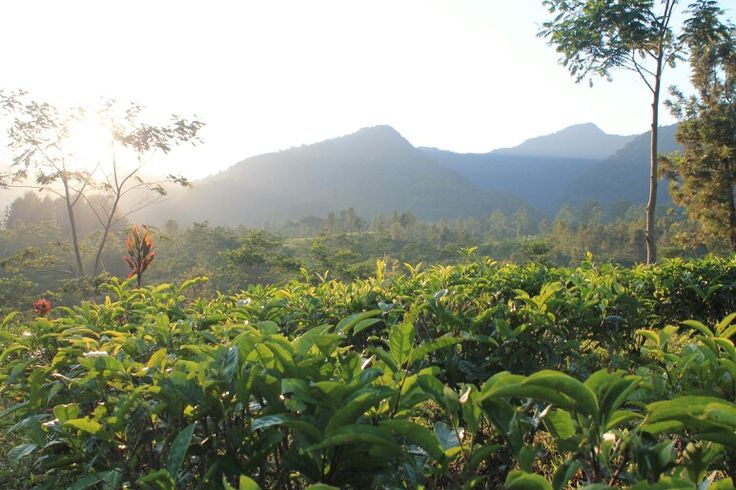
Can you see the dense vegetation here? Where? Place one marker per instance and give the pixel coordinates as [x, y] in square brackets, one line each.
[36, 258]
[477, 375]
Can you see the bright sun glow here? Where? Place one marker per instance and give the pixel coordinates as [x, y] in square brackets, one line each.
[89, 145]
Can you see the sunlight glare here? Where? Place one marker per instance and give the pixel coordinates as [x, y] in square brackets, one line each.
[88, 145]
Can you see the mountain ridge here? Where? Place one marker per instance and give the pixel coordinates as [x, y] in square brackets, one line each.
[377, 171]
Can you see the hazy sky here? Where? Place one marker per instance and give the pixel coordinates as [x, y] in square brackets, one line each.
[467, 76]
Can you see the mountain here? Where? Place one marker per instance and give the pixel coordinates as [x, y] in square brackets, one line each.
[539, 170]
[624, 176]
[553, 170]
[540, 181]
[374, 170]
[581, 141]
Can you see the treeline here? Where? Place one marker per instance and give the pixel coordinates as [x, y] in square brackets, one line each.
[36, 257]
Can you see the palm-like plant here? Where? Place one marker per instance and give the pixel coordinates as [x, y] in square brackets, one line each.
[139, 246]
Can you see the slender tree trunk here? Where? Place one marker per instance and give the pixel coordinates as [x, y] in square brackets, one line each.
[73, 227]
[732, 218]
[105, 233]
[651, 232]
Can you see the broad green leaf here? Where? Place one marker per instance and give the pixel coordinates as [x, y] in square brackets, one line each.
[364, 324]
[565, 473]
[446, 436]
[293, 423]
[157, 359]
[352, 434]
[351, 321]
[526, 457]
[19, 452]
[700, 327]
[664, 483]
[86, 482]
[66, 412]
[157, 479]
[481, 453]
[178, 450]
[560, 424]
[112, 480]
[304, 342]
[416, 434]
[355, 408]
[520, 480]
[85, 424]
[584, 398]
[245, 483]
[401, 342]
[427, 348]
[723, 324]
[725, 484]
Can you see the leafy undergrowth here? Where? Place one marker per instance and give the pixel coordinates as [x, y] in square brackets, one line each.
[383, 383]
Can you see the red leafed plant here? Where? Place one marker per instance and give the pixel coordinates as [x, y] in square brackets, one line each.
[42, 306]
[139, 246]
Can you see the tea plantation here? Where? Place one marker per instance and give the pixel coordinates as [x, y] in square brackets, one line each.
[478, 375]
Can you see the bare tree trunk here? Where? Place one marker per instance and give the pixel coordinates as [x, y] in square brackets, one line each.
[651, 232]
[73, 227]
[105, 233]
[732, 218]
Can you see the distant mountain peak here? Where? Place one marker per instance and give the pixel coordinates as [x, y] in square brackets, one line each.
[380, 129]
[583, 141]
[582, 127]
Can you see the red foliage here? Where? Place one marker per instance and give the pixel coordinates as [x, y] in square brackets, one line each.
[42, 306]
[139, 246]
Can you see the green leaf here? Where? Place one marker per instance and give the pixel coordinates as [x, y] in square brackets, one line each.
[85, 424]
[351, 321]
[416, 434]
[352, 434]
[446, 436]
[700, 327]
[560, 424]
[520, 480]
[526, 457]
[725, 323]
[230, 363]
[86, 482]
[355, 408]
[179, 450]
[664, 483]
[363, 324]
[112, 480]
[157, 359]
[321, 486]
[247, 483]
[20, 452]
[481, 453]
[565, 473]
[585, 400]
[401, 342]
[157, 479]
[428, 347]
[293, 423]
[66, 412]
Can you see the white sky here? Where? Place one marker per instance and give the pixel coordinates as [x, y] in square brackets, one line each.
[467, 75]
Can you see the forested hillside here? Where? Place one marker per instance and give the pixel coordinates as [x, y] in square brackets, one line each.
[374, 170]
[377, 171]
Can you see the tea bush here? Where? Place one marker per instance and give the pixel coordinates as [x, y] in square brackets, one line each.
[400, 382]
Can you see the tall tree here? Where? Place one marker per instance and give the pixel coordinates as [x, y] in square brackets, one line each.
[703, 176]
[596, 37]
[40, 138]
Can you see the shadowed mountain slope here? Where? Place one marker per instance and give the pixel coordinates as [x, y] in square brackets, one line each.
[374, 170]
